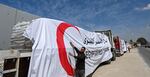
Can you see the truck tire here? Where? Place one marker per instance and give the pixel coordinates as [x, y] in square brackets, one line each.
[108, 62]
[114, 57]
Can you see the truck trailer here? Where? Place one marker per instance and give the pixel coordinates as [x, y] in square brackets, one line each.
[108, 33]
[15, 62]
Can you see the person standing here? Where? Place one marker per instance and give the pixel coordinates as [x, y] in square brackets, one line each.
[80, 62]
[129, 47]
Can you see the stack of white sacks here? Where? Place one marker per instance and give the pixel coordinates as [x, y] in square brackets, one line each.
[18, 41]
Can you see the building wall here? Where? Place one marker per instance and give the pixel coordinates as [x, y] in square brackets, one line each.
[8, 18]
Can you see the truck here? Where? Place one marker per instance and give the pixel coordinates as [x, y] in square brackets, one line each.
[108, 33]
[117, 44]
[120, 46]
[14, 62]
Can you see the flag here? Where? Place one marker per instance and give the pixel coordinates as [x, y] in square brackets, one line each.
[51, 48]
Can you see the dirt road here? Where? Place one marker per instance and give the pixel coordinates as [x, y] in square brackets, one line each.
[128, 65]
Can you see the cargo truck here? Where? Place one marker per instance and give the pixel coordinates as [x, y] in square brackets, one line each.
[15, 62]
[108, 33]
[120, 46]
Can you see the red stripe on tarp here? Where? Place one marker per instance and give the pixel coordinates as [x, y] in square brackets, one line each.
[62, 49]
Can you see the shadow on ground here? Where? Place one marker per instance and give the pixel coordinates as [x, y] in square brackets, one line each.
[145, 53]
[102, 64]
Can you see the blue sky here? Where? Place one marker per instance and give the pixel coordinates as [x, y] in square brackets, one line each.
[129, 19]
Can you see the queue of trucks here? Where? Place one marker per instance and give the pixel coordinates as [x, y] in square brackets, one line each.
[15, 62]
[117, 47]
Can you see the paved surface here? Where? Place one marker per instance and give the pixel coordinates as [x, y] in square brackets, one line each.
[128, 65]
[145, 53]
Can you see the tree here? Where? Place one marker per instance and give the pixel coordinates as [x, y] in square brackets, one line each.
[142, 41]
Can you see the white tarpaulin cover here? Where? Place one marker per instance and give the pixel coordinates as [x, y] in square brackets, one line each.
[51, 48]
[123, 46]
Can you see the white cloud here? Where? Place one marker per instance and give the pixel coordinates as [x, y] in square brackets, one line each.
[147, 7]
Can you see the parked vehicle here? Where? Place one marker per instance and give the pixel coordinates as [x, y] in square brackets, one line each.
[15, 62]
[108, 33]
[97, 48]
[124, 48]
[117, 42]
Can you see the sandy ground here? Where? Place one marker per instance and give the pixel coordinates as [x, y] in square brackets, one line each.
[128, 65]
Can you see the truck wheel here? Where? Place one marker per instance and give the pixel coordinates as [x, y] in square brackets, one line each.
[108, 62]
[114, 55]
[113, 58]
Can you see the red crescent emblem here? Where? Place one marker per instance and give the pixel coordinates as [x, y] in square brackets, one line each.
[62, 49]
